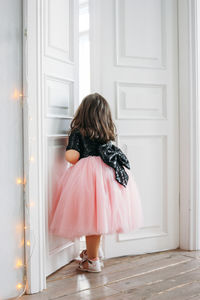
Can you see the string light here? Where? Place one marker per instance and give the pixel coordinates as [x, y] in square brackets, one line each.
[19, 286]
[19, 263]
[19, 181]
[17, 95]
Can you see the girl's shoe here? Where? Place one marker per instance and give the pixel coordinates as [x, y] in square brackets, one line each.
[93, 265]
[83, 255]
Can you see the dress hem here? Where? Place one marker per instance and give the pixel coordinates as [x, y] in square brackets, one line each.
[98, 233]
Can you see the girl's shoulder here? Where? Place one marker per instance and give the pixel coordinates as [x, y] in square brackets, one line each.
[74, 141]
[75, 133]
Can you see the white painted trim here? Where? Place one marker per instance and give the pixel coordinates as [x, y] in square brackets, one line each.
[189, 126]
[34, 216]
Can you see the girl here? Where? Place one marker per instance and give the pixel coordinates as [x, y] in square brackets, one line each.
[97, 194]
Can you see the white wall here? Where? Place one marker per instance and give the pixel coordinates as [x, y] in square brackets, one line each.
[11, 149]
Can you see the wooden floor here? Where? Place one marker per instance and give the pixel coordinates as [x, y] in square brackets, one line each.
[168, 275]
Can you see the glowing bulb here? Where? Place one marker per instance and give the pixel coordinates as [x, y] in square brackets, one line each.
[19, 286]
[17, 94]
[31, 158]
[28, 243]
[31, 203]
[25, 227]
[19, 181]
[19, 263]
[30, 118]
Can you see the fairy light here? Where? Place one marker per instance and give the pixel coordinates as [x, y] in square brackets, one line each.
[17, 94]
[19, 181]
[19, 286]
[19, 263]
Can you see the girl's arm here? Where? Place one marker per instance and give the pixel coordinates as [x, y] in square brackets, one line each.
[72, 156]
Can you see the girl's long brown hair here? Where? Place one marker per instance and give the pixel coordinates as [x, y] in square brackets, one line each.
[93, 119]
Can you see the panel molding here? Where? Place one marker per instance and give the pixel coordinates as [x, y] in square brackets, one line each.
[162, 115]
[142, 235]
[58, 111]
[61, 248]
[121, 59]
[64, 54]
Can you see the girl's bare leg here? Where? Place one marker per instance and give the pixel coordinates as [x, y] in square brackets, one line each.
[92, 243]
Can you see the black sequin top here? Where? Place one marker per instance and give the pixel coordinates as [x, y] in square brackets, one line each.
[110, 154]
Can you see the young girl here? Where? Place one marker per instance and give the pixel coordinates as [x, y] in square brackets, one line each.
[97, 194]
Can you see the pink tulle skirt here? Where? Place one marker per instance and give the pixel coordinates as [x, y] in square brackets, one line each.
[89, 201]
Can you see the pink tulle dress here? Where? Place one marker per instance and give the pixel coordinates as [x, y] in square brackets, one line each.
[89, 200]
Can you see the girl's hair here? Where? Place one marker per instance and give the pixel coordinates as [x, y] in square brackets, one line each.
[93, 119]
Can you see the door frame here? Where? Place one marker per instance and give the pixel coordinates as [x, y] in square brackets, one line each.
[34, 200]
[189, 115]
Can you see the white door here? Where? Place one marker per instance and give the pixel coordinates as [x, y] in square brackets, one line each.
[134, 66]
[59, 63]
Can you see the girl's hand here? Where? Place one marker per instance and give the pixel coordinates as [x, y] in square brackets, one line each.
[72, 156]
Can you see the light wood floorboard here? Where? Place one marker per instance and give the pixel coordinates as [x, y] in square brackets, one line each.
[168, 275]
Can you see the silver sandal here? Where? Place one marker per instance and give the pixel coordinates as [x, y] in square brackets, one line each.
[93, 266]
[83, 255]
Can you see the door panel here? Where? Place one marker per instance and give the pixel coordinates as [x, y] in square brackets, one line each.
[140, 33]
[60, 98]
[134, 57]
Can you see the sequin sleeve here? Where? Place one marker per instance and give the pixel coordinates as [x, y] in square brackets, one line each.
[74, 141]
